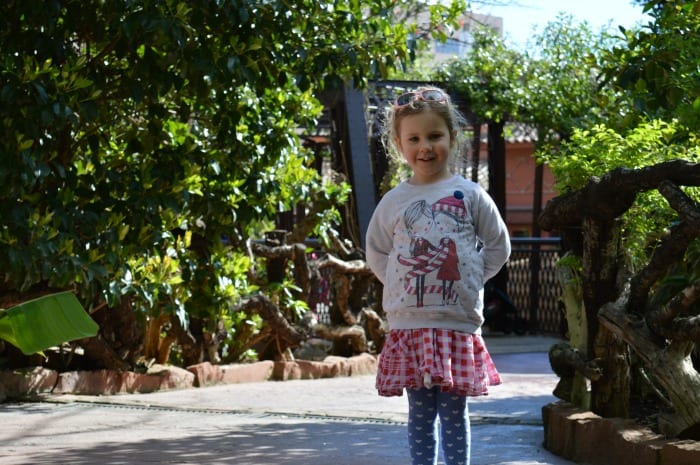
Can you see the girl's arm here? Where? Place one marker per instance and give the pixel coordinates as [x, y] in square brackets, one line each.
[492, 231]
[378, 244]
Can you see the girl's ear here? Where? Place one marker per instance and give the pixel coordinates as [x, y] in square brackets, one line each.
[397, 142]
[453, 138]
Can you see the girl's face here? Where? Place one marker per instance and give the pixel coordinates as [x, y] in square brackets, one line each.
[425, 142]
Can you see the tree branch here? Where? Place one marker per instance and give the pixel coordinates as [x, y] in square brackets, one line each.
[687, 208]
[671, 250]
[666, 321]
[342, 266]
[611, 195]
[295, 252]
[274, 318]
[563, 358]
[686, 329]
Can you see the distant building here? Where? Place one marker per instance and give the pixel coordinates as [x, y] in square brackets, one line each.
[520, 177]
[520, 181]
[460, 40]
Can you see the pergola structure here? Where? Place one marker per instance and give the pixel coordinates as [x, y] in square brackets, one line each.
[353, 121]
[350, 131]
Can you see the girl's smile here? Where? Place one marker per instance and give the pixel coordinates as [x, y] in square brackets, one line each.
[425, 142]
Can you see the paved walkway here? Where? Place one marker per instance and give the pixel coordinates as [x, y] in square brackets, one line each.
[337, 421]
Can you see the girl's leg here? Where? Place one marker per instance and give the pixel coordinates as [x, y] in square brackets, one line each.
[455, 431]
[422, 437]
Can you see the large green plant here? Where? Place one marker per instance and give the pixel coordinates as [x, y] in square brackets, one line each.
[40, 323]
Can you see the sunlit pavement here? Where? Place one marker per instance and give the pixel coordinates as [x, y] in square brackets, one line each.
[336, 421]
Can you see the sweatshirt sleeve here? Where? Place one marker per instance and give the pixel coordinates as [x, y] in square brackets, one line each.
[378, 243]
[491, 230]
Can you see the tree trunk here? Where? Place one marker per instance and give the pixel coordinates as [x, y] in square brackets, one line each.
[121, 337]
[346, 277]
[191, 340]
[347, 340]
[610, 394]
[374, 328]
[277, 258]
[570, 281]
[281, 335]
[102, 354]
[340, 313]
[165, 346]
[152, 341]
[624, 312]
[669, 365]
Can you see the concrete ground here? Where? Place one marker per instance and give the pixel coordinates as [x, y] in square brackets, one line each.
[336, 421]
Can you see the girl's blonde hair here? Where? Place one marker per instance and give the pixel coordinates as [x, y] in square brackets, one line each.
[445, 109]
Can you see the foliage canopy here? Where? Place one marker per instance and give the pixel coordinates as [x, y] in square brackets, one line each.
[143, 142]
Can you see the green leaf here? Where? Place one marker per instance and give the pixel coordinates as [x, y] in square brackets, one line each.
[38, 324]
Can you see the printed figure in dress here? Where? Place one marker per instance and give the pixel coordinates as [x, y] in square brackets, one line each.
[419, 221]
[450, 214]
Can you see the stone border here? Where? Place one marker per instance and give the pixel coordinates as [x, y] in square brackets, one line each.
[584, 437]
[18, 384]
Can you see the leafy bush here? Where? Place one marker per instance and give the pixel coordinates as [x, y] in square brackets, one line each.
[593, 152]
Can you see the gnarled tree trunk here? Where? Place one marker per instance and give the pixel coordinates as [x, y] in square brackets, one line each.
[620, 311]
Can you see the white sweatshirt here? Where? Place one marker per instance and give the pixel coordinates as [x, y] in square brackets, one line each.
[433, 246]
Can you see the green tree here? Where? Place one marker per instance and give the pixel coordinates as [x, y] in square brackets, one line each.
[144, 142]
[628, 208]
[658, 64]
[562, 85]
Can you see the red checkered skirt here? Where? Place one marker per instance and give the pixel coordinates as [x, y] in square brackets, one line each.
[414, 358]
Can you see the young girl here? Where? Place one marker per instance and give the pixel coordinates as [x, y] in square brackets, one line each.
[434, 349]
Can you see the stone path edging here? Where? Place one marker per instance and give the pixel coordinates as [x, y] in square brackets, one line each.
[17, 384]
[584, 437]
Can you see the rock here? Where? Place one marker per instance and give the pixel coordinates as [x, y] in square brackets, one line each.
[247, 372]
[171, 377]
[584, 437]
[284, 371]
[681, 453]
[27, 381]
[20, 383]
[108, 382]
[206, 374]
[315, 349]
[90, 382]
[363, 364]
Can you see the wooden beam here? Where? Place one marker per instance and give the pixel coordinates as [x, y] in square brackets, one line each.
[361, 166]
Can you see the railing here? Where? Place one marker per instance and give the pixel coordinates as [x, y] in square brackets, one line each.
[532, 284]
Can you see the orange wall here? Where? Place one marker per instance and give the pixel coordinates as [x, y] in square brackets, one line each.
[520, 184]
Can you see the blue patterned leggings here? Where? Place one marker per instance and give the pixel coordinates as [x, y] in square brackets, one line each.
[424, 406]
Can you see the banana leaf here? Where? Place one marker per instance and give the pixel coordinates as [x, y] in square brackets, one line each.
[38, 324]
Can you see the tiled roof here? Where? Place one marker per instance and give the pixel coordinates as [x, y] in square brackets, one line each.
[520, 132]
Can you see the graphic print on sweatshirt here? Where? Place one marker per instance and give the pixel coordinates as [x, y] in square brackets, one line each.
[433, 264]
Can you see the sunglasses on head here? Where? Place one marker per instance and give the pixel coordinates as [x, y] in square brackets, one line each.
[428, 95]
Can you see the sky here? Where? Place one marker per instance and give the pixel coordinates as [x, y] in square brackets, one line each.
[519, 21]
